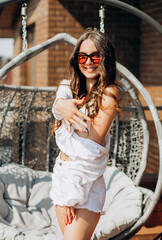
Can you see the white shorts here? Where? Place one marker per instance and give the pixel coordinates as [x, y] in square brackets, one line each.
[96, 194]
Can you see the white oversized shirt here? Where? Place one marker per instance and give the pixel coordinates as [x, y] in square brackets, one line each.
[89, 160]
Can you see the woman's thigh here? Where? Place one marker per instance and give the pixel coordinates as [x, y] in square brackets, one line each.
[60, 216]
[83, 226]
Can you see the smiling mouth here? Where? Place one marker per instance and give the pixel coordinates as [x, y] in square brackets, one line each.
[90, 69]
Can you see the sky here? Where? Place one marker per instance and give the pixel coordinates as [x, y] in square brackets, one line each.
[6, 47]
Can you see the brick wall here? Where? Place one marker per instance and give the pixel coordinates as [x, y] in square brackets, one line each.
[60, 20]
[151, 72]
[7, 14]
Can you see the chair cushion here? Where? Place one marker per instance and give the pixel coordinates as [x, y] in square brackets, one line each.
[25, 206]
[26, 209]
[123, 204]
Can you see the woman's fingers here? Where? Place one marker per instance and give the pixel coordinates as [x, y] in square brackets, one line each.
[79, 113]
[71, 114]
[79, 101]
[65, 215]
[68, 124]
[80, 121]
[82, 115]
[69, 111]
[76, 125]
[73, 212]
[69, 214]
[76, 121]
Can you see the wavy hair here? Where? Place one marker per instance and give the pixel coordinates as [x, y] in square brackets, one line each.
[107, 69]
[107, 76]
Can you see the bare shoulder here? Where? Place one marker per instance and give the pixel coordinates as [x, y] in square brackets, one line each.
[111, 94]
[114, 89]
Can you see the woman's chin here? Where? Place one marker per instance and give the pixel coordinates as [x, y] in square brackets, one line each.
[91, 75]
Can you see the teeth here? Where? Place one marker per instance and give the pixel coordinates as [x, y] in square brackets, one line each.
[90, 69]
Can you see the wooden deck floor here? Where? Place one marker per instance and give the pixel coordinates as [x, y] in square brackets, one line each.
[148, 233]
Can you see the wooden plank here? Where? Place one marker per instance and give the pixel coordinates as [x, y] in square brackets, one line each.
[147, 233]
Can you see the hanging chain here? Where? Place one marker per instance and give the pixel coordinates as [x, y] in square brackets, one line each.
[24, 31]
[102, 16]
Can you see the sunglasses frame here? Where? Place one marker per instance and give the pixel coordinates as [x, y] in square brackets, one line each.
[88, 56]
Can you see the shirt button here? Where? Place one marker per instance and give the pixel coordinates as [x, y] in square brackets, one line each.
[60, 164]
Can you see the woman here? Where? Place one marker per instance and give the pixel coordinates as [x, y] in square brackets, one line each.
[85, 108]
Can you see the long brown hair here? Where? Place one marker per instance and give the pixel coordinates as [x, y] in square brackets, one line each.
[106, 77]
[107, 71]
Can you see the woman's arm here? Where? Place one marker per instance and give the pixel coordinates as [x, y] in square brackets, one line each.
[102, 122]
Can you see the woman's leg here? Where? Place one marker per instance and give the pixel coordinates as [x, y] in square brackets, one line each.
[60, 216]
[83, 226]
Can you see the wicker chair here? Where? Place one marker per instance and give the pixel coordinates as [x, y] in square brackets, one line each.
[25, 119]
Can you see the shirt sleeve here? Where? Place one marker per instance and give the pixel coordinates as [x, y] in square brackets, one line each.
[63, 92]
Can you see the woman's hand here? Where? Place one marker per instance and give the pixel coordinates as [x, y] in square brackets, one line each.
[69, 214]
[70, 113]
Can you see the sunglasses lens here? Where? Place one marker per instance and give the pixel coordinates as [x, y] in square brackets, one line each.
[95, 57]
[82, 58]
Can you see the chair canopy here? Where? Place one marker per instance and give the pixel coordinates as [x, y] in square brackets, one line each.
[25, 123]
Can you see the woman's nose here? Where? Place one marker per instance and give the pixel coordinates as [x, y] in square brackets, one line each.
[89, 61]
